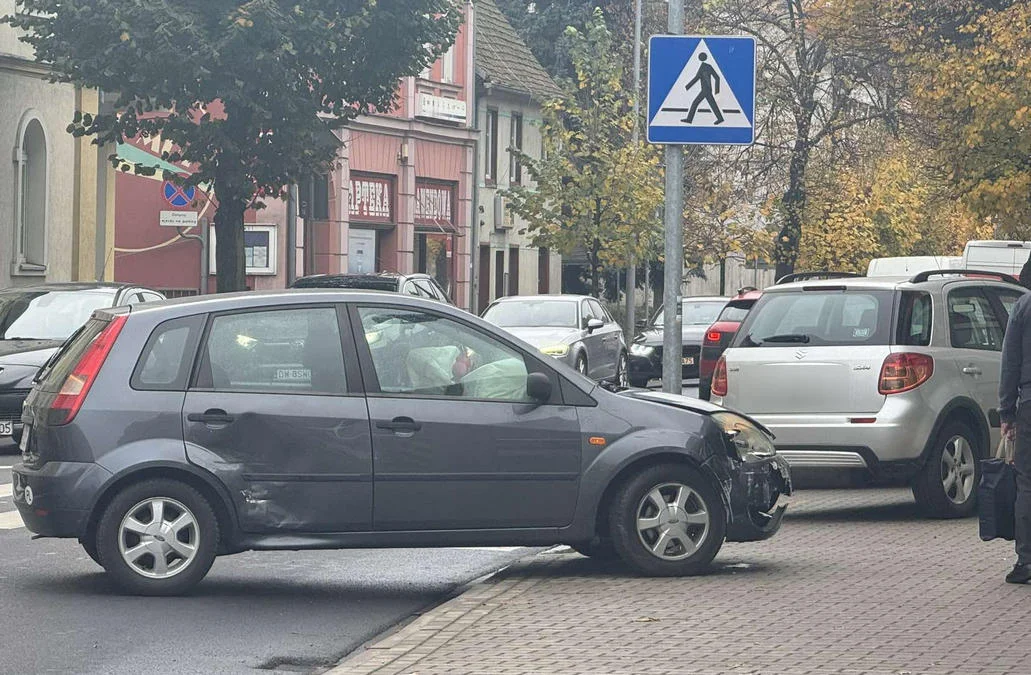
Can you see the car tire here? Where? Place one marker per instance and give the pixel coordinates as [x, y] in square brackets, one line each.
[597, 549]
[581, 364]
[693, 533]
[90, 547]
[186, 562]
[622, 378]
[946, 487]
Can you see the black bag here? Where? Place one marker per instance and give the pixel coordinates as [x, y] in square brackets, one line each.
[996, 498]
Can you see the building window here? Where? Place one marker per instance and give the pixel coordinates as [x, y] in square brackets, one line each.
[31, 207]
[259, 249]
[447, 66]
[492, 145]
[515, 147]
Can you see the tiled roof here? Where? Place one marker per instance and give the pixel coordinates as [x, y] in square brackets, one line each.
[502, 58]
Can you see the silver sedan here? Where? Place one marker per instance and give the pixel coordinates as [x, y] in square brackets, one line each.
[576, 329]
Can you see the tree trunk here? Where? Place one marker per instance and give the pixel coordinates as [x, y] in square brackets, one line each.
[723, 276]
[792, 208]
[229, 256]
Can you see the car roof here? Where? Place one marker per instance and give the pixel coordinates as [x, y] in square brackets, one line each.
[887, 283]
[72, 286]
[524, 298]
[222, 302]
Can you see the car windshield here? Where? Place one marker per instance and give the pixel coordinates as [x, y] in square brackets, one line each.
[697, 312]
[530, 313]
[48, 315]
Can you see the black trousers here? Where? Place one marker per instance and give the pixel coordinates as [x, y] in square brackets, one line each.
[1022, 461]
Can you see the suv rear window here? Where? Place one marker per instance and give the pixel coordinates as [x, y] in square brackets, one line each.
[66, 359]
[819, 318]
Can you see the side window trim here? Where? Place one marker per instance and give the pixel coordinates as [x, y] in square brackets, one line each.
[370, 380]
[352, 373]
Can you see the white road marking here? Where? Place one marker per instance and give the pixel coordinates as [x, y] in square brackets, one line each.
[11, 521]
[6, 490]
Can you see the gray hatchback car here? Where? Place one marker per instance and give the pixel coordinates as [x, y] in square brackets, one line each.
[166, 434]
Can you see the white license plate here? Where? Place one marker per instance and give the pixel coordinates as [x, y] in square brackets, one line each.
[688, 360]
[6, 428]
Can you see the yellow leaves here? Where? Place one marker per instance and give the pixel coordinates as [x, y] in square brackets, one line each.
[124, 37]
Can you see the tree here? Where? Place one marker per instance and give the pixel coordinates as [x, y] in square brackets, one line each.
[245, 90]
[593, 188]
[971, 91]
[819, 80]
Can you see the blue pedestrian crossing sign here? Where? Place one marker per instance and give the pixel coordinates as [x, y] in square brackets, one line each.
[701, 90]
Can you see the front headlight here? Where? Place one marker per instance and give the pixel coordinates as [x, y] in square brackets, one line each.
[641, 350]
[555, 350]
[751, 443]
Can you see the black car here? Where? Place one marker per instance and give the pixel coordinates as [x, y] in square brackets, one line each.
[646, 350]
[166, 434]
[418, 285]
[35, 321]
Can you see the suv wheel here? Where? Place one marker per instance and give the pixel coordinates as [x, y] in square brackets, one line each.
[947, 485]
[622, 379]
[158, 537]
[581, 365]
[668, 520]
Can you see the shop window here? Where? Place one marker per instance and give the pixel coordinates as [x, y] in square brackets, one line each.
[31, 204]
[260, 248]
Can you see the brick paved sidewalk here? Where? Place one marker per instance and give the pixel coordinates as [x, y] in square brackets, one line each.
[856, 582]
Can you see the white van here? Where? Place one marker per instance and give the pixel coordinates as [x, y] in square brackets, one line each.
[996, 256]
[905, 266]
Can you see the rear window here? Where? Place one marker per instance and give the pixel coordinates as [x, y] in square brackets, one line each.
[736, 311]
[64, 362]
[819, 318]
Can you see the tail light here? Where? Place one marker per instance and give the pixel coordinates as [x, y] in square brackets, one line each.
[904, 372]
[713, 337]
[77, 385]
[719, 378]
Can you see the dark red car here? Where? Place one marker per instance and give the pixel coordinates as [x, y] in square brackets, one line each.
[719, 336]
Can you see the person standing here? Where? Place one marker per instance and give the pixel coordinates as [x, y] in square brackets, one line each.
[1015, 411]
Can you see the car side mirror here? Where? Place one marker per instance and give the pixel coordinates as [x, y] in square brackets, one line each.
[538, 387]
[594, 324]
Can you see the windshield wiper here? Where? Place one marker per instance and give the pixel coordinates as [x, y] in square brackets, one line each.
[800, 338]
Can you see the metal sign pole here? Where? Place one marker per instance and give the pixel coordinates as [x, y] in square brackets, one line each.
[672, 340]
[631, 270]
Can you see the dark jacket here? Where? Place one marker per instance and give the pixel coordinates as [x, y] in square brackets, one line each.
[1015, 380]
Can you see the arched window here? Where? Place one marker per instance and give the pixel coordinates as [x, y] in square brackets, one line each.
[32, 192]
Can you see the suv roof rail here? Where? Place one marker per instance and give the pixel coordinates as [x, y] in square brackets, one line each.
[924, 276]
[805, 276]
[746, 289]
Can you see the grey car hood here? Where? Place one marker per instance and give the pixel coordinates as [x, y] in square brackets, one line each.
[685, 403]
[690, 335]
[544, 336]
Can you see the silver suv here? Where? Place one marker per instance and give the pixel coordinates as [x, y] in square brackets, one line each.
[896, 378]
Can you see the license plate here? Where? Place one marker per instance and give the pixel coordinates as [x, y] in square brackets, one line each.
[6, 428]
[688, 361]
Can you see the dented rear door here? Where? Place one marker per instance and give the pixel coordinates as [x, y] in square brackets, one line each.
[276, 412]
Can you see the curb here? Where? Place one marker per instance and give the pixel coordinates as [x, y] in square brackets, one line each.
[400, 650]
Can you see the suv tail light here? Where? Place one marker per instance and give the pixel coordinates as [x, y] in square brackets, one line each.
[76, 386]
[713, 337]
[904, 372]
[719, 378]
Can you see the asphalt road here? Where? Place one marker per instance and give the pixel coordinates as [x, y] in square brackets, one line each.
[255, 612]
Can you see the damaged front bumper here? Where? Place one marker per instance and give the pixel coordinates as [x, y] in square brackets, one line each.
[756, 494]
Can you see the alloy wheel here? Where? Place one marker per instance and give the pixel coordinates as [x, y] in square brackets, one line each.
[672, 521]
[158, 538]
[623, 372]
[957, 470]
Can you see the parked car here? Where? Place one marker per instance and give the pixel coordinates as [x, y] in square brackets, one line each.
[646, 351]
[418, 285]
[576, 329]
[720, 334]
[35, 321]
[165, 435]
[895, 380]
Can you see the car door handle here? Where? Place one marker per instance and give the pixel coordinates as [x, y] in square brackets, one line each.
[972, 370]
[400, 425]
[211, 416]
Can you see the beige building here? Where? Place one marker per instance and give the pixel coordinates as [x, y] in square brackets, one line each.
[50, 202]
[510, 86]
